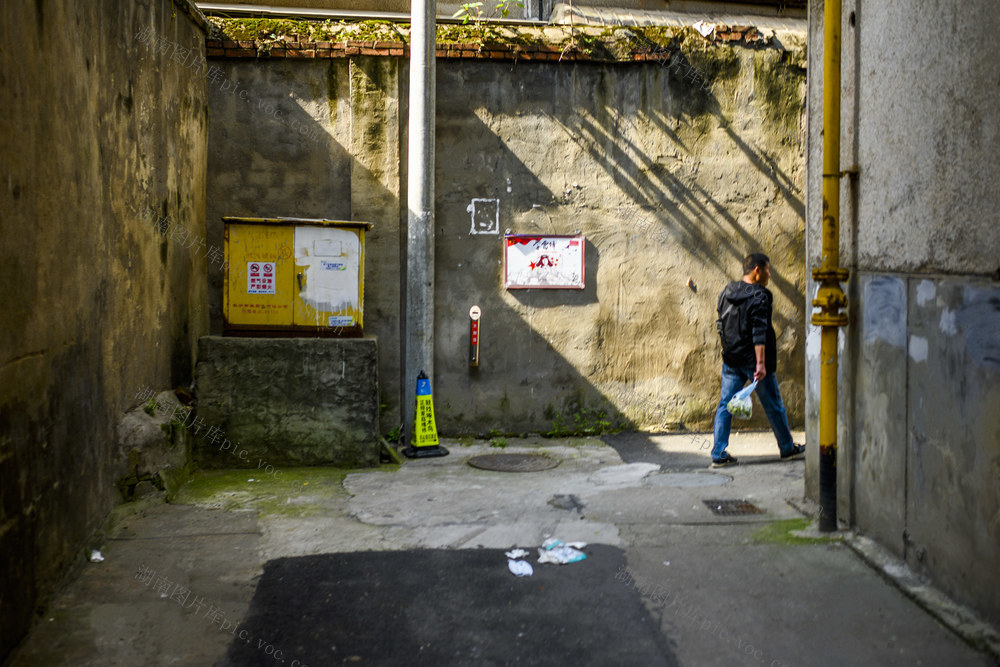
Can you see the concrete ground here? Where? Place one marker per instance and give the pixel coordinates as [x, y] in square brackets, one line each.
[405, 565]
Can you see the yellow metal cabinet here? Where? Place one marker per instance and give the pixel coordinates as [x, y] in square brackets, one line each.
[294, 276]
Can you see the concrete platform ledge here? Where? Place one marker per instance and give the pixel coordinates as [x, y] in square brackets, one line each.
[264, 403]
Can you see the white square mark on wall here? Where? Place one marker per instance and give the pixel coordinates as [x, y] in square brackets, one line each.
[485, 216]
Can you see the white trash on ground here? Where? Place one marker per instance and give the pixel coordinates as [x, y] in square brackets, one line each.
[96, 557]
[552, 551]
[557, 552]
[520, 568]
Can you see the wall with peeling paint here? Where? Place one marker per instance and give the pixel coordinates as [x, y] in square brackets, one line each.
[919, 428]
[668, 180]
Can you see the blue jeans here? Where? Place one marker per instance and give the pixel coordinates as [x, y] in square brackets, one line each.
[733, 379]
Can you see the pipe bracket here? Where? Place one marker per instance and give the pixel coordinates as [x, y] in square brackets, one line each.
[829, 319]
[830, 297]
[822, 274]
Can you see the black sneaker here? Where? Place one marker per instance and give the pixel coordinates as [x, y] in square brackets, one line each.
[726, 460]
[796, 450]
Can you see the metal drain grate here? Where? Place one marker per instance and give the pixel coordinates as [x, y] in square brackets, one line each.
[732, 507]
[513, 462]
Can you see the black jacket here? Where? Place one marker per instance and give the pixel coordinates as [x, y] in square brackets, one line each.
[745, 321]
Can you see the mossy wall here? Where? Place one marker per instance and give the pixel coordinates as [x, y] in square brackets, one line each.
[103, 259]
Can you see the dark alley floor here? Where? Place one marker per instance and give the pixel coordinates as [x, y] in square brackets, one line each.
[406, 566]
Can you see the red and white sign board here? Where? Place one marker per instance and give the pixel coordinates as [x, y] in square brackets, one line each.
[544, 262]
[260, 277]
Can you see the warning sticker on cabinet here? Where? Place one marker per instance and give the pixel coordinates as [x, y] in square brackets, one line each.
[260, 277]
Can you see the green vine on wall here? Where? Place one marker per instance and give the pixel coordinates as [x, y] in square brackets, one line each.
[485, 23]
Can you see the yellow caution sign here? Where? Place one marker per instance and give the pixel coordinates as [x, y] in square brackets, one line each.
[425, 433]
[425, 436]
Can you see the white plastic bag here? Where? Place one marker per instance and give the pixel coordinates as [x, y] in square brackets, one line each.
[739, 405]
[520, 568]
[559, 553]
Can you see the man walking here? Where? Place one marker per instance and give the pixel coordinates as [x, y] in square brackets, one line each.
[749, 352]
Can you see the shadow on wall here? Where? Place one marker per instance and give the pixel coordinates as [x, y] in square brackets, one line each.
[268, 155]
[687, 211]
[637, 346]
[290, 146]
[523, 383]
[645, 165]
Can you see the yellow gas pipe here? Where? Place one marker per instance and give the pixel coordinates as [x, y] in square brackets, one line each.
[830, 297]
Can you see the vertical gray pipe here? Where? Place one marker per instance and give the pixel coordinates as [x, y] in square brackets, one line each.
[420, 205]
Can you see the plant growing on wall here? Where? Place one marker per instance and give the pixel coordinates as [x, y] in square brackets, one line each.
[586, 421]
[472, 12]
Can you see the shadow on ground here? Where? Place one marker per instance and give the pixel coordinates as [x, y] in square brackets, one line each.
[444, 607]
[638, 447]
[682, 452]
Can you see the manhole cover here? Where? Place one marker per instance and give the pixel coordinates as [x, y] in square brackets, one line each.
[513, 462]
[732, 507]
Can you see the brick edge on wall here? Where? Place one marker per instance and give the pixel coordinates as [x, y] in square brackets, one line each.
[293, 48]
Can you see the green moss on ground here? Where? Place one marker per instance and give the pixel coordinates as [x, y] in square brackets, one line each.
[294, 492]
[780, 532]
[174, 479]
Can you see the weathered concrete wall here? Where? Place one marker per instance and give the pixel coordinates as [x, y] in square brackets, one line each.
[287, 402]
[919, 460]
[953, 471]
[99, 129]
[668, 181]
